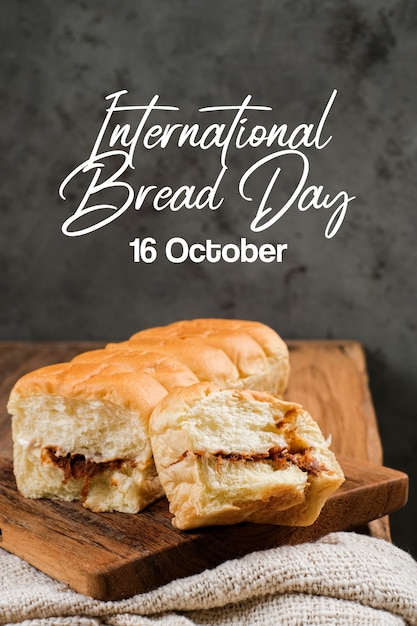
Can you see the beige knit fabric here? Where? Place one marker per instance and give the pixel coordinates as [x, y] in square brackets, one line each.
[344, 579]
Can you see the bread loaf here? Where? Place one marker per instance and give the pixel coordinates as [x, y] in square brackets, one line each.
[81, 429]
[226, 456]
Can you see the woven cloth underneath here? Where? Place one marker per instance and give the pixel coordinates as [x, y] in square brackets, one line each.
[343, 579]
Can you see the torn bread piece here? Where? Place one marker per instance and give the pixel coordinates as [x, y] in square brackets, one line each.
[227, 456]
[80, 431]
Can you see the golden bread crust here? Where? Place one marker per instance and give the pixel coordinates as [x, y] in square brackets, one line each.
[134, 390]
[233, 351]
[169, 372]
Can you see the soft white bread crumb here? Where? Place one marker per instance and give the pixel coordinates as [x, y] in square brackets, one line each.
[83, 434]
[225, 456]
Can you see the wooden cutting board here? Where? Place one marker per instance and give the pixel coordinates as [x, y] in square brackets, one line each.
[113, 555]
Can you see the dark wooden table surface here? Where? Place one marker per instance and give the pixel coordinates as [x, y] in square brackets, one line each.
[328, 377]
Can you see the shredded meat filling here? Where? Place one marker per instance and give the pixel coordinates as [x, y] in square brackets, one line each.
[280, 458]
[79, 467]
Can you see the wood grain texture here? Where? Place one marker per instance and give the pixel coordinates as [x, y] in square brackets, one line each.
[329, 379]
[114, 555]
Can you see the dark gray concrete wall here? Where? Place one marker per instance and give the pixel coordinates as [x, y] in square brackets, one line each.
[58, 62]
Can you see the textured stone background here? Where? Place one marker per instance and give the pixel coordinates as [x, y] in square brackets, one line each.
[59, 60]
